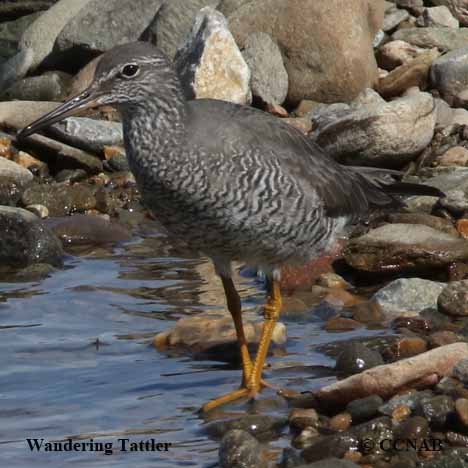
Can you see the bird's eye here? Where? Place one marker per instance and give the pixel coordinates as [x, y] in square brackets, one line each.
[130, 70]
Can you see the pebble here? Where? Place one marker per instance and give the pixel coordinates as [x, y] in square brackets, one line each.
[415, 428]
[367, 312]
[239, 449]
[300, 418]
[455, 156]
[16, 173]
[462, 227]
[305, 438]
[442, 338]
[400, 413]
[438, 16]
[437, 409]
[341, 324]
[340, 422]
[407, 347]
[461, 408]
[356, 357]
[393, 19]
[363, 409]
[453, 300]
[460, 371]
[407, 297]
[395, 53]
[410, 400]
[40, 211]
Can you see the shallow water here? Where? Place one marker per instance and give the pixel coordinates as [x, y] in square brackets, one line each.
[77, 358]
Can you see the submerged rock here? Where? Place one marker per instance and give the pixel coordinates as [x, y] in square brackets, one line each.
[355, 358]
[25, 240]
[210, 64]
[239, 449]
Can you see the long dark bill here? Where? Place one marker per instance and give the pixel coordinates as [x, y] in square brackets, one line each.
[85, 100]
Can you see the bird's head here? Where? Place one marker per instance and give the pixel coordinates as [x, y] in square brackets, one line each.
[125, 76]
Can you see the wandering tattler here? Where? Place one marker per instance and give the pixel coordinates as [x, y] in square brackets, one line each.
[236, 183]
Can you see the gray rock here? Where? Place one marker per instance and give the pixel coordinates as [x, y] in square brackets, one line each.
[262, 427]
[51, 86]
[60, 199]
[408, 297]
[416, 247]
[269, 77]
[453, 300]
[174, 22]
[445, 39]
[449, 73]
[40, 36]
[228, 7]
[459, 9]
[210, 64]
[239, 449]
[328, 52]
[18, 114]
[16, 173]
[460, 371]
[13, 9]
[412, 400]
[355, 358]
[437, 16]
[25, 240]
[363, 409]
[88, 229]
[13, 30]
[10, 191]
[456, 458]
[375, 132]
[16, 67]
[103, 25]
[88, 134]
[436, 410]
[393, 18]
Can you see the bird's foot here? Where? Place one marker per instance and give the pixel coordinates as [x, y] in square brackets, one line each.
[248, 392]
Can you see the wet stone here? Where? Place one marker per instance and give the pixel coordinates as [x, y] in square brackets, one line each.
[263, 427]
[239, 449]
[305, 438]
[300, 418]
[411, 400]
[400, 413]
[442, 338]
[460, 371]
[331, 463]
[34, 272]
[461, 408]
[453, 300]
[60, 199]
[437, 409]
[413, 428]
[363, 409]
[291, 458]
[355, 357]
[10, 191]
[337, 324]
[340, 422]
[71, 175]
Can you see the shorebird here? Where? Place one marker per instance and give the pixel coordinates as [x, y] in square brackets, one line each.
[234, 182]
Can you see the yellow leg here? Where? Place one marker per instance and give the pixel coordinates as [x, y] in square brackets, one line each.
[271, 313]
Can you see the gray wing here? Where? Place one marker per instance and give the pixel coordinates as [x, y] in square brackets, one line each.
[223, 127]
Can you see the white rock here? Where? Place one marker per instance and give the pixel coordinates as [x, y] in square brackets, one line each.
[210, 64]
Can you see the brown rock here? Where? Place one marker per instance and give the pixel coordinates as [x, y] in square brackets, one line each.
[412, 73]
[453, 300]
[462, 227]
[455, 156]
[28, 161]
[461, 408]
[442, 338]
[341, 298]
[304, 124]
[367, 312]
[400, 413]
[327, 45]
[300, 418]
[341, 324]
[396, 53]
[441, 224]
[340, 422]
[388, 379]
[6, 149]
[407, 347]
[332, 280]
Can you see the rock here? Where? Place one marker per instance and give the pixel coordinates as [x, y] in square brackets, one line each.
[460, 371]
[436, 410]
[459, 9]
[438, 16]
[459, 117]
[441, 224]
[338, 324]
[331, 463]
[305, 438]
[367, 312]
[442, 338]
[41, 35]
[18, 114]
[205, 331]
[11, 10]
[453, 300]
[393, 18]
[416, 428]
[269, 77]
[31, 163]
[400, 413]
[60, 199]
[396, 53]
[16, 67]
[16, 173]
[71, 175]
[411, 400]
[461, 408]
[340, 422]
[455, 156]
[407, 297]
[404, 247]
[103, 25]
[326, 70]
[333, 281]
[25, 240]
[88, 134]
[11, 32]
[40, 211]
[386, 380]
[355, 357]
[239, 449]
[462, 228]
[87, 229]
[300, 418]
[449, 73]
[364, 409]
[210, 64]
[374, 132]
[10, 191]
[409, 346]
[66, 157]
[260, 426]
[174, 22]
[51, 86]
[228, 7]
[412, 73]
[445, 39]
